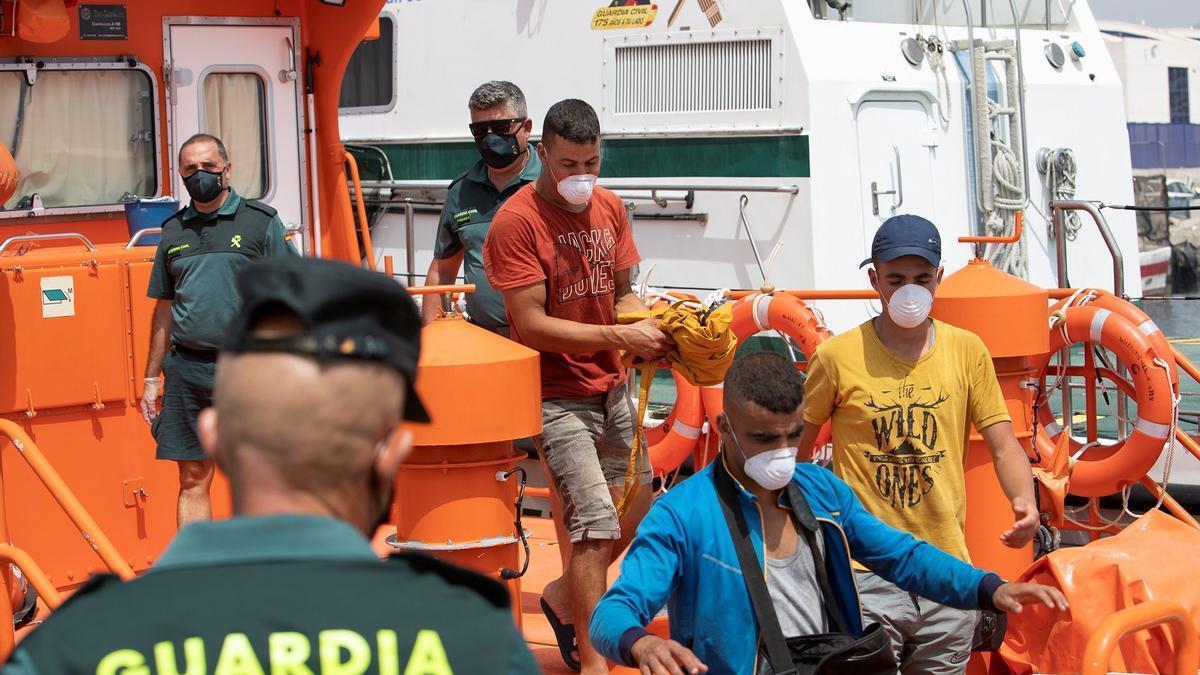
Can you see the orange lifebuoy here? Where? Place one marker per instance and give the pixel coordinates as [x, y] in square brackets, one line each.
[786, 314]
[669, 443]
[1101, 298]
[675, 439]
[1105, 469]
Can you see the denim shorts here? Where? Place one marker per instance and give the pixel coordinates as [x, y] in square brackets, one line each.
[585, 444]
[187, 390]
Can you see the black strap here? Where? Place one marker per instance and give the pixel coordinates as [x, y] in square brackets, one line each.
[808, 528]
[752, 573]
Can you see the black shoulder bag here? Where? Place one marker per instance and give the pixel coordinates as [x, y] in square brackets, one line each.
[819, 654]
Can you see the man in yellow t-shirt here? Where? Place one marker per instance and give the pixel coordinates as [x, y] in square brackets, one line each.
[903, 391]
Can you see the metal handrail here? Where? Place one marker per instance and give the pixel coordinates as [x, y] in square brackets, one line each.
[44, 237]
[1100, 646]
[441, 185]
[430, 290]
[1060, 241]
[360, 204]
[137, 236]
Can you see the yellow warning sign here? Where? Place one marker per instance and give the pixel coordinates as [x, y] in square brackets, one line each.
[624, 15]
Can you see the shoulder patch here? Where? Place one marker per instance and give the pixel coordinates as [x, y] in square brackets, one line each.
[259, 206]
[176, 219]
[492, 591]
[458, 179]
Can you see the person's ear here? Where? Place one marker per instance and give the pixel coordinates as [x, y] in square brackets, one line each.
[940, 273]
[395, 449]
[873, 277]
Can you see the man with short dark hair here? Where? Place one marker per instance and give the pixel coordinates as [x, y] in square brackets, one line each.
[684, 555]
[561, 251]
[314, 381]
[500, 125]
[902, 391]
[200, 252]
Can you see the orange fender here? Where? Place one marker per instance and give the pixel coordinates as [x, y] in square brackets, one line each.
[1103, 470]
[42, 21]
[786, 314]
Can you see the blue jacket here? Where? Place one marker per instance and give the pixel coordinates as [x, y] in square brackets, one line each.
[683, 557]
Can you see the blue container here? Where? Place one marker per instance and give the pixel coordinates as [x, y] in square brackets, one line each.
[142, 214]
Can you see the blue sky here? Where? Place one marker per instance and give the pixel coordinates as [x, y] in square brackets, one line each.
[1162, 13]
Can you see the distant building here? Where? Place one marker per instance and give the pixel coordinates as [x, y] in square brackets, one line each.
[1160, 69]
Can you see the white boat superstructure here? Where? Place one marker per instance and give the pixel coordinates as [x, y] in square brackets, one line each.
[772, 137]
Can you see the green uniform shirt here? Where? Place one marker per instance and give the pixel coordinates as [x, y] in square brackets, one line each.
[471, 203]
[197, 261]
[280, 594]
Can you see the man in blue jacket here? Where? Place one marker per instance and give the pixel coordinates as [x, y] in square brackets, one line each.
[683, 555]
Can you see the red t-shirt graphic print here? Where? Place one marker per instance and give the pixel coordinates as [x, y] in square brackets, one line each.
[577, 256]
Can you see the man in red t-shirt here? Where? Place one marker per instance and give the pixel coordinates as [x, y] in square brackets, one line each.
[560, 250]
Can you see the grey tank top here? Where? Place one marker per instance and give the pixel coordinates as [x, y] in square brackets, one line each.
[792, 583]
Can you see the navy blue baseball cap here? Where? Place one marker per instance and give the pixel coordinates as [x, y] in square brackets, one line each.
[906, 235]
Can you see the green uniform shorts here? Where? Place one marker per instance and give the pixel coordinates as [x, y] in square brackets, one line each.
[187, 391]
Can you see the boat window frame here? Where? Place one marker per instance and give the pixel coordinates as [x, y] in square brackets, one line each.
[27, 65]
[390, 105]
[268, 115]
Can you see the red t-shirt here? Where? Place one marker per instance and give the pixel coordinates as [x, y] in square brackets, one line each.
[577, 256]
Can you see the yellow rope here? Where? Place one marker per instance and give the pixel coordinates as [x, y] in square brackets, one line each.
[636, 448]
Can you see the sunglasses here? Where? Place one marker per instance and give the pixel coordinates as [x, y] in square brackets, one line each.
[498, 127]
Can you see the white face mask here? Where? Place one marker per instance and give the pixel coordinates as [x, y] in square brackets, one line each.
[577, 189]
[910, 305]
[772, 469]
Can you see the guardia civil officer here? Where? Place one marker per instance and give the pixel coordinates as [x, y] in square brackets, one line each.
[309, 394]
[202, 248]
[500, 125]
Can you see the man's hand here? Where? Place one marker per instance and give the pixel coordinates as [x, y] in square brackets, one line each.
[645, 340]
[1024, 527]
[149, 403]
[1011, 597]
[656, 656]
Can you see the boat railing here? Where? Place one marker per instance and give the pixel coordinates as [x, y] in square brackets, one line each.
[364, 228]
[75, 511]
[431, 194]
[1113, 628]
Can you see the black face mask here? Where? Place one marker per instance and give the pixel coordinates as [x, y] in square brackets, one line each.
[499, 151]
[203, 186]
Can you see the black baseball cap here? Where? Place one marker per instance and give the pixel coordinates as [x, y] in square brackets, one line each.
[347, 312]
[906, 235]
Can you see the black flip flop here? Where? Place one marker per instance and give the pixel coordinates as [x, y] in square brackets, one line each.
[564, 635]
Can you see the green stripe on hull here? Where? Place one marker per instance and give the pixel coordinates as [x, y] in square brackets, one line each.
[696, 157]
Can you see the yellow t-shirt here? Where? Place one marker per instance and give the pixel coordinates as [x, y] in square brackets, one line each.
[900, 428]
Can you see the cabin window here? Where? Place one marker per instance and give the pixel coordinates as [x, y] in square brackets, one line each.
[369, 82]
[235, 111]
[1177, 90]
[66, 153]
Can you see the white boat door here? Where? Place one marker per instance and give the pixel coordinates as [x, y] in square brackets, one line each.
[895, 160]
[239, 80]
